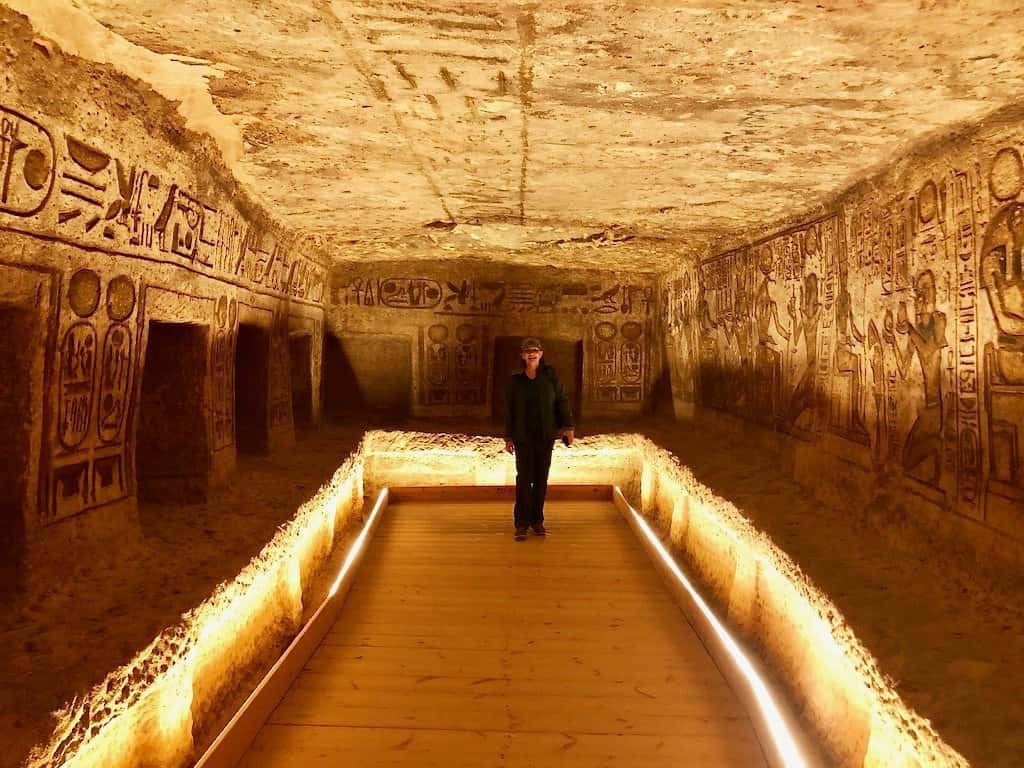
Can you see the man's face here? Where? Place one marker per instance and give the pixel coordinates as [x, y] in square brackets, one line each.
[532, 355]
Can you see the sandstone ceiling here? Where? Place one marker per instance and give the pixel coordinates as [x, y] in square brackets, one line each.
[404, 128]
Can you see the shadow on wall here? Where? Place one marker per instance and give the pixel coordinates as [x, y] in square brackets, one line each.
[17, 332]
[565, 356]
[367, 376]
[173, 454]
[661, 396]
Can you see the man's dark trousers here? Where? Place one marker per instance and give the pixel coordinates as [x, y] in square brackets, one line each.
[533, 460]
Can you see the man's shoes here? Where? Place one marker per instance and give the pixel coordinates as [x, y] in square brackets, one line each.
[521, 534]
[539, 529]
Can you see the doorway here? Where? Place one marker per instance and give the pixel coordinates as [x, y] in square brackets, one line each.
[17, 346]
[172, 453]
[367, 376]
[564, 355]
[252, 390]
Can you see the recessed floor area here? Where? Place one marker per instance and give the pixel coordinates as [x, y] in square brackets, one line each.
[955, 651]
[459, 645]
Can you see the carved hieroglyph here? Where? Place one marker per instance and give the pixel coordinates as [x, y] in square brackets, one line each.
[895, 325]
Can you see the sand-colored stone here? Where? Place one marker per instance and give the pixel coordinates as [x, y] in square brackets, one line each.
[798, 223]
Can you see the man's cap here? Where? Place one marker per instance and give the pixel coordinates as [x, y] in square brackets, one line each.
[531, 342]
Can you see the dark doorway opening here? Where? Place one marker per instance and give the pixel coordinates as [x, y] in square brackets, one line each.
[17, 346]
[172, 451]
[252, 388]
[300, 352]
[564, 355]
[367, 376]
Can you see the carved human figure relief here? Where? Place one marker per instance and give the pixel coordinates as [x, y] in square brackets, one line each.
[925, 339]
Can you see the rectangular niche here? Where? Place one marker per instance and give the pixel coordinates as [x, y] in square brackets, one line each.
[367, 375]
[173, 455]
[252, 390]
[18, 346]
[300, 353]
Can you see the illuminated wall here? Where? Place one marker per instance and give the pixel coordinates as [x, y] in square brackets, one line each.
[456, 318]
[884, 335]
[113, 217]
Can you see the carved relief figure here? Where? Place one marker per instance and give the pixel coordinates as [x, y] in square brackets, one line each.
[876, 353]
[437, 367]
[767, 358]
[926, 339]
[1002, 275]
[739, 332]
[707, 332]
[806, 324]
[685, 370]
[848, 410]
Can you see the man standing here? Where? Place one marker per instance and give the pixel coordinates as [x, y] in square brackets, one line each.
[537, 413]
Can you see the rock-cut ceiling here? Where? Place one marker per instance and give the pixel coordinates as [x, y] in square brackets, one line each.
[573, 132]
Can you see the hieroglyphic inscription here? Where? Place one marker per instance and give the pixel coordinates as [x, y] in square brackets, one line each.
[968, 416]
[409, 293]
[454, 370]
[437, 366]
[605, 334]
[470, 371]
[469, 297]
[222, 371]
[27, 164]
[90, 467]
[876, 331]
[619, 356]
[280, 395]
[115, 375]
[77, 377]
[756, 359]
[74, 189]
[1002, 276]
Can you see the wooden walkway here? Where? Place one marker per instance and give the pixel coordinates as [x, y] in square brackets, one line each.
[461, 647]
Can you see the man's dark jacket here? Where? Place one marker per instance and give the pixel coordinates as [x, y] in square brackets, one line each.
[555, 412]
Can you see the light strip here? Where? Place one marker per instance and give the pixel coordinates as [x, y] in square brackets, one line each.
[357, 545]
[784, 741]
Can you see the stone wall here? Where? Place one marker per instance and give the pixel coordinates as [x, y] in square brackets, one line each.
[885, 336]
[113, 217]
[462, 323]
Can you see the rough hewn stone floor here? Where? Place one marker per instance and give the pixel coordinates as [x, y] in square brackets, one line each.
[955, 650]
[58, 643]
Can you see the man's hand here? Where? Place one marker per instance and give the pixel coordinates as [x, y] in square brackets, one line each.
[570, 436]
[509, 447]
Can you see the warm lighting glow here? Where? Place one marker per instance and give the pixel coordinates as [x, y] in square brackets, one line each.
[357, 545]
[784, 742]
[146, 711]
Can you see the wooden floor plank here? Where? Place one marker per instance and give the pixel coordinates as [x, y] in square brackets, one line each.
[288, 746]
[457, 642]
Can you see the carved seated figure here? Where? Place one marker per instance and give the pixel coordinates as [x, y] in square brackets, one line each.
[1002, 275]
